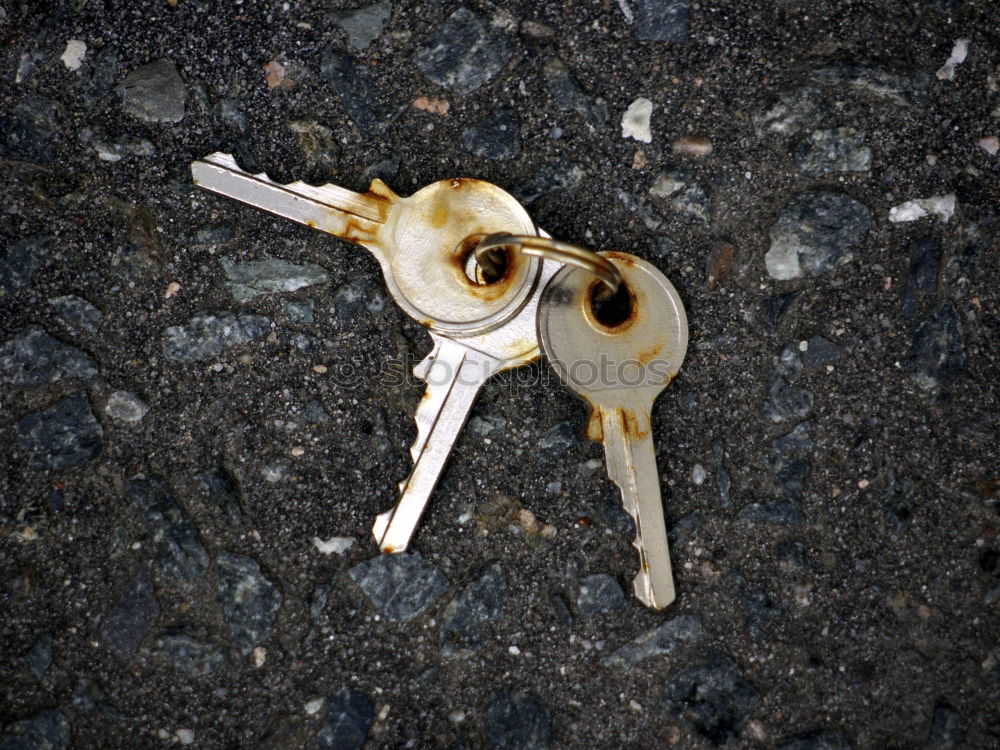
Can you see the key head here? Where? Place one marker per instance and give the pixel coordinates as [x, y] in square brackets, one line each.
[428, 250]
[624, 351]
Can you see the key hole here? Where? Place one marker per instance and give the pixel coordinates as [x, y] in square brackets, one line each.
[494, 267]
[611, 310]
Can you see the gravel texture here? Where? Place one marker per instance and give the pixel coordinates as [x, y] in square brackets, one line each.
[192, 391]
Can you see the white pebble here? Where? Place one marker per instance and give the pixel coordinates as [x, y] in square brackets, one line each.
[74, 53]
[941, 205]
[125, 406]
[990, 144]
[958, 54]
[259, 656]
[692, 145]
[313, 707]
[334, 545]
[185, 736]
[553, 488]
[514, 651]
[698, 474]
[635, 121]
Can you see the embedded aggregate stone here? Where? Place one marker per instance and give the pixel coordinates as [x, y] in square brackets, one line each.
[921, 278]
[62, 436]
[560, 437]
[815, 233]
[76, 314]
[364, 25]
[794, 110]
[125, 406]
[250, 279]
[482, 601]
[190, 650]
[821, 352]
[21, 259]
[132, 617]
[785, 401]
[661, 20]
[946, 729]
[218, 487]
[357, 298]
[349, 715]
[906, 88]
[39, 657]
[714, 697]
[775, 513]
[599, 593]
[495, 136]
[47, 730]
[368, 108]
[517, 720]
[101, 74]
[567, 95]
[154, 92]
[180, 553]
[560, 176]
[34, 357]
[30, 131]
[937, 356]
[400, 586]
[464, 52]
[299, 311]
[669, 637]
[788, 460]
[208, 334]
[250, 601]
[774, 308]
[836, 150]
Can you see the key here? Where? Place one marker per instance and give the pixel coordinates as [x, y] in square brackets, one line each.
[424, 248]
[618, 356]
[419, 241]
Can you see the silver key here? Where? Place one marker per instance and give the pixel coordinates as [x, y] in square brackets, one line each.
[619, 366]
[478, 329]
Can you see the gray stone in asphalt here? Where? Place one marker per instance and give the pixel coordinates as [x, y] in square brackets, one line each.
[209, 334]
[785, 401]
[188, 649]
[661, 20]
[599, 593]
[154, 92]
[253, 278]
[301, 311]
[354, 85]
[249, 600]
[641, 207]
[355, 298]
[562, 176]
[788, 460]
[218, 487]
[482, 601]
[517, 720]
[62, 436]
[794, 110]
[816, 232]
[667, 638]
[946, 731]
[714, 696]
[364, 25]
[125, 406]
[33, 357]
[836, 150]
[102, 71]
[937, 356]
[567, 95]
[47, 730]
[132, 617]
[180, 553]
[30, 131]
[821, 352]
[464, 52]
[400, 586]
[76, 314]
[349, 714]
[39, 657]
[21, 259]
[495, 136]
[772, 514]
[906, 88]
[921, 277]
[560, 437]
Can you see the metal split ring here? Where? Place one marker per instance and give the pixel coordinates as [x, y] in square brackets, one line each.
[545, 247]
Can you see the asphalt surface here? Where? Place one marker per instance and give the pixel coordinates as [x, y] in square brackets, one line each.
[192, 391]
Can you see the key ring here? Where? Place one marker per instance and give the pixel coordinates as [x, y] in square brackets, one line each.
[545, 247]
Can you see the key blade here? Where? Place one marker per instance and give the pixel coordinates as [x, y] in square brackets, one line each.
[454, 377]
[631, 464]
[330, 208]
